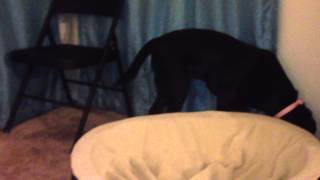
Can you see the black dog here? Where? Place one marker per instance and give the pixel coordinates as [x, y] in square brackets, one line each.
[240, 75]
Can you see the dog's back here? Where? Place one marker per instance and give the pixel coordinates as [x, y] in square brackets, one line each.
[240, 74]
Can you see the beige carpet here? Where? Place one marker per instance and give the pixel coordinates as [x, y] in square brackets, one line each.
[39, 148]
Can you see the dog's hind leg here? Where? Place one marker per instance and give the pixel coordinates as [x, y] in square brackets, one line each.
[172, 82]
[169, 98]
[175, 105]
[158, 105]
[177, 93]
[172, 90]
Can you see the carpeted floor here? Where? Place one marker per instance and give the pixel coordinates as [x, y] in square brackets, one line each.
[39, 149]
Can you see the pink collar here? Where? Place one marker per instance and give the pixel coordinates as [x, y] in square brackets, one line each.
[289, 108]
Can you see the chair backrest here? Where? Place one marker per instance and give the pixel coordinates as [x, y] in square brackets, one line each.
[93, 7]
[108, 8]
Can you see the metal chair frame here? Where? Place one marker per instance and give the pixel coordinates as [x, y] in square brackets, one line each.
[111, 46]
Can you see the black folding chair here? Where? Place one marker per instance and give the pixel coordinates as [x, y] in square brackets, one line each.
[67, 57]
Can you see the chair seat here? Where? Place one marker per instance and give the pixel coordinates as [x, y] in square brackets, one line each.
[60, 56]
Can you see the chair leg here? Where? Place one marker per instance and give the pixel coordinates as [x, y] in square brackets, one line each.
[66, 87]
[18, 100]
[88, 104]
[124, 89]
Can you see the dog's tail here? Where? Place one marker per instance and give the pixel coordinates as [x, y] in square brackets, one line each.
[134, 68]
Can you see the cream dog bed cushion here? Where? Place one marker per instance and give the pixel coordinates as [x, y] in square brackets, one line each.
[197, 146]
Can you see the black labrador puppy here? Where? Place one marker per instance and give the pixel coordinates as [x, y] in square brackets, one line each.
[240, 75]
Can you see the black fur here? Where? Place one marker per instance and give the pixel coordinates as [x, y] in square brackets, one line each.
[240, 75]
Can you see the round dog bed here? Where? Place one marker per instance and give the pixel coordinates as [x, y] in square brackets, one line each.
[197, 146]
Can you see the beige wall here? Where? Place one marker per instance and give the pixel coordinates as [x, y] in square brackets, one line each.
[299, 48]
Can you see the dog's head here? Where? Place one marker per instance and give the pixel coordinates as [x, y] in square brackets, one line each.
[278, 91]
[302, 116]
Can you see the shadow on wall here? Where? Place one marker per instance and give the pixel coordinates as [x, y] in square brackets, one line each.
[299, 48]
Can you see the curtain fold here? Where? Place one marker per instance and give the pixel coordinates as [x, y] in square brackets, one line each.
[253, 21]
[20, 23]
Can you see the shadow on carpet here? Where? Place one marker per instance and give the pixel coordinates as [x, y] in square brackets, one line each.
[40, 148]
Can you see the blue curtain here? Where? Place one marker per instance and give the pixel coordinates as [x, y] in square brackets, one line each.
[253, 21]
[20, 23]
